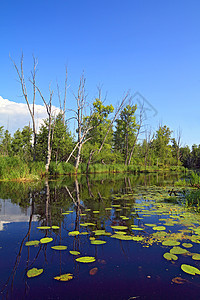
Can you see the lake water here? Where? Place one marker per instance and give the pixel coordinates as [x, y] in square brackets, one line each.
[123, 223]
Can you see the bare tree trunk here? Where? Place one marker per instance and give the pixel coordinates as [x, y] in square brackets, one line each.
[20, 74]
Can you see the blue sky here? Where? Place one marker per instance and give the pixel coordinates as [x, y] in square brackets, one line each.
[152, 47]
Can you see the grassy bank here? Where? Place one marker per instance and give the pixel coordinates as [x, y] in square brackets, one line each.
[13, 168]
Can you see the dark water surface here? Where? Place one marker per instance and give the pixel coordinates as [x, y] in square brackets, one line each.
[124, 268]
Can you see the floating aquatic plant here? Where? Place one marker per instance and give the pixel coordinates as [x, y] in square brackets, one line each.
[34, 272]
[64, 277]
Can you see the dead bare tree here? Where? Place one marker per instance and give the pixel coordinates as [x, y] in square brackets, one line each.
[50, 127]
[63, 107]
[82, 128]
[20, 73]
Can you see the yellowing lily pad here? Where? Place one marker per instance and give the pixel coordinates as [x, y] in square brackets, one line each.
[32, 243]
[86, 259]
[34, 272]
[64, 277]
[74, 252]
[95, 211]
[98, 242]
[59, 247]
[170, 256]
[137, 228]
[137, 238]
[46, 240]
[190, 269]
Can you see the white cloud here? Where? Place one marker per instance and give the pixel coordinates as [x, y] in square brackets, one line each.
[15, 115]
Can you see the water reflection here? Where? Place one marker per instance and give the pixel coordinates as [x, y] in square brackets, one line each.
[43, 204]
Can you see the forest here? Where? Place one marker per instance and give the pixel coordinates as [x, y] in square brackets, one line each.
[105, 139]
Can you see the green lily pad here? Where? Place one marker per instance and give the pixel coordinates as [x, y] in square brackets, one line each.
[84, 233]
[170, 256]
[59, 247]
[137, 228]
[46, 240]
[82, 215]
[86, 259]
[170, 243]
[178, 250]
[150, 225]
[73, 233]
[137, 238]
[98, 242]
[119, 227]
[196, 256]
[159, 228]
[108, 208]
[55, 227]
[187, 245]
[190, 269]
[34, 272]
[64, 277]
[95, 211]
[87, 224]
[44, 227]
[32, 243]
[65, 213]
[74, 252]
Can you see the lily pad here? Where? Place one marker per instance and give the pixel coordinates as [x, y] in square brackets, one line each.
[170, 243]
[98, 242]
[44, 227]
[170, 256]
[55, 227]
[159, 228]
[64, 277]
[86, 259]
[137, 228]
[73, 233]
[187, 245]
[32, 243]
[178, 250]
[74, 252]
[137, 238]
[46, 240]
[196, 256]
[34, 272]
[59, 247]
[190, 269]
[119, 227]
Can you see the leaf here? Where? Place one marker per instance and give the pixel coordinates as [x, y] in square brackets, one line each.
[137, 228]
[170, 256]
[119, 227]
[179, 280]
[98, 242]
[55, 227]
[32, 243]
[86, 259]
[59, 247]
[95, 211]
[73, 233]
[87, 224]
[64, 277]
[44, 227]
[170, 243]
[46, 240]
[137, 238]
[84, 233]
[93, 271]
[178, 250]
[190, 269]
[196, 256]
[74, 252]
[159, 228]
[34, 272]
[187, 245]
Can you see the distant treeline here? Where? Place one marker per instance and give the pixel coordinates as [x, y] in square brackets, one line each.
[105, 142]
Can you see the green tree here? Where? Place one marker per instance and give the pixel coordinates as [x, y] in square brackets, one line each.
[6, 148]
[125, 133]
